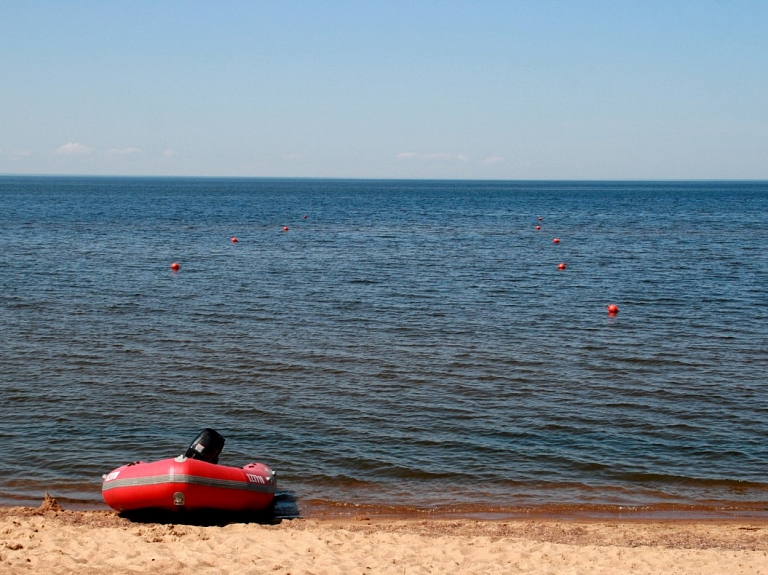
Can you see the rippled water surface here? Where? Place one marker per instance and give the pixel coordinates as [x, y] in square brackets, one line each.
[408, 345]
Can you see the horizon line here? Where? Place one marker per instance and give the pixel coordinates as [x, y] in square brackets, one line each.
[394, 179]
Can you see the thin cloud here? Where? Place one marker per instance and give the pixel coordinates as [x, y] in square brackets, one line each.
[169, 153]
[124, 151]
[493, 160]
[407, 156]
[73, 149]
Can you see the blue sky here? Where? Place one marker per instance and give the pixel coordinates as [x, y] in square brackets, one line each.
[374, 89]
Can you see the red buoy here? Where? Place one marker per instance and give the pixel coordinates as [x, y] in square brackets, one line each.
[538, 227]
[556, 241]
[285, 228]
[304, 216]
[561, 266]
[234, 240]
[175, 267]
[540, 218]
[613, 309]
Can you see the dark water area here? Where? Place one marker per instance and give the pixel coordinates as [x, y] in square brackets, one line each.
[408, 347]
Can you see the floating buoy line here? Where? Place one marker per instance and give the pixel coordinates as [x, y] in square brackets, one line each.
[612, 309]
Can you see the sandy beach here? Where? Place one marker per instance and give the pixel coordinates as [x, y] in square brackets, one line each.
[49, 539]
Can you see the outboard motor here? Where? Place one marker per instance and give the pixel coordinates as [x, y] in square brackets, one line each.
[206, 447]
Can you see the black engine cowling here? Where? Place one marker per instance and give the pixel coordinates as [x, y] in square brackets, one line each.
[206, 447]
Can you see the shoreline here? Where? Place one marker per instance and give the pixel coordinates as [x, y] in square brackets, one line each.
[289, 507]
[49, 539]
[564, 511]
[288, 504]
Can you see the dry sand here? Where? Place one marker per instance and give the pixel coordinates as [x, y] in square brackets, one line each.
[54, 541]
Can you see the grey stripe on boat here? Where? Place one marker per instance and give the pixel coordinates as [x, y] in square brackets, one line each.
[190, 480]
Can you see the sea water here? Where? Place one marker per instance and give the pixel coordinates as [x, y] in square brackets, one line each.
[406, 346]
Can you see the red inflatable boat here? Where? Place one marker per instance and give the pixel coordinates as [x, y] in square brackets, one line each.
[190, 482]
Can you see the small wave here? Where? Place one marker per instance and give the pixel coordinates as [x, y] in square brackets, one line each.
[659, 478]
